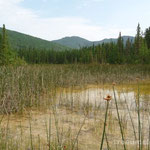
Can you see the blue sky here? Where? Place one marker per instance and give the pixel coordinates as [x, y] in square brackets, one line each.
[90, 19]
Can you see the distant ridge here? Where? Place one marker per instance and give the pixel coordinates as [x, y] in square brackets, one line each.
[77, 42]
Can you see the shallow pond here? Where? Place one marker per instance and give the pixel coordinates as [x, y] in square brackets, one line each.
[70, 105]
[94, 96]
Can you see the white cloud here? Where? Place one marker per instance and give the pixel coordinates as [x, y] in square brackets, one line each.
[27, 21]
[88, 3]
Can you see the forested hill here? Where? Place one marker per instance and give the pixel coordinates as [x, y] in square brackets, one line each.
[73, 42]
[19, 40]
[78, 42]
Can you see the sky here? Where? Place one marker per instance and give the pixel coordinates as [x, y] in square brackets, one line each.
[90, 19]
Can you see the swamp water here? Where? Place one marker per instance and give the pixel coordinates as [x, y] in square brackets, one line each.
[74, 107]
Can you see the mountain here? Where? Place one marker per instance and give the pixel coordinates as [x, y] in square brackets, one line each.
[73, 42]
[77, 42]
[20, 40]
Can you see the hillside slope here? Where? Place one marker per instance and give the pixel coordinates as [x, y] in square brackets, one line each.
[20, 40]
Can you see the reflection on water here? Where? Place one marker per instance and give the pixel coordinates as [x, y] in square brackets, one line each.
[95, 98]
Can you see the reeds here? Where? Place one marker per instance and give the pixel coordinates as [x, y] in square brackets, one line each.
[38, 87]
[26, 86]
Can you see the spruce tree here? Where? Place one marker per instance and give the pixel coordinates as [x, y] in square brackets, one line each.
[1, 53]
[143, 53]
[120, 48]
[0, 42]
[138, 40]
[4, 48]
[128, 47]
[147, 37]
[120, 43]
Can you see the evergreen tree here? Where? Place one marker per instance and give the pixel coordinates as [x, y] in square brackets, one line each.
[120, 43]
[0, 43]
[147, 37]
[143, 53]
[7, 56]
[4, 48]
[120, 48]
[138, 39]
[1, 52]
[128, 47]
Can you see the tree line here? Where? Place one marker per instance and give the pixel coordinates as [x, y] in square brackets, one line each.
[120, 52]
[7, 54]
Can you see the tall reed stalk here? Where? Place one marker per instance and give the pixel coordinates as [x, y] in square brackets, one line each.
[31, 137]
[108, 147]
[119, 120]
[76, 139]
[102, 140]
[138, 110]
[48, 132]
[148, 147]
[130, 118]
